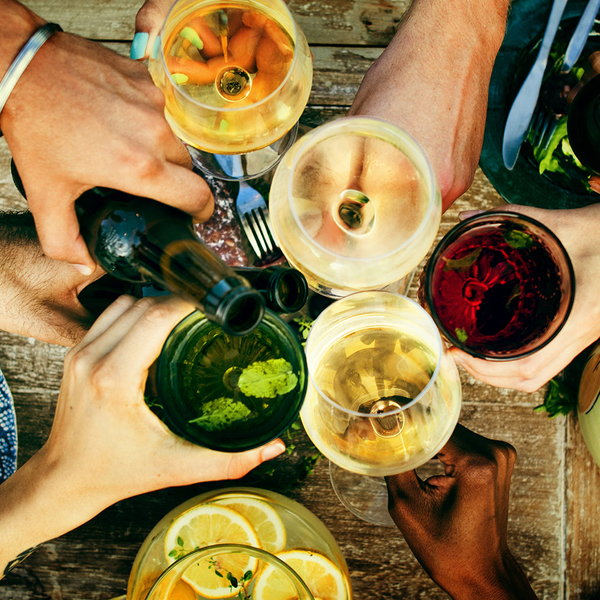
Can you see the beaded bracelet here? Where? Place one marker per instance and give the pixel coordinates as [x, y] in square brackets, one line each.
[29, 50]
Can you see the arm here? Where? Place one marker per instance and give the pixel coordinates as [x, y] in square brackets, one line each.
[456, 524]
[577, 229]
[433, 79]
[82, 116]
[38, 294]
[105, 444]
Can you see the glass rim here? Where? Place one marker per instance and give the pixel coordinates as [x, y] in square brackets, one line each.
[452, 235]
[234, 109]
[328, 130]
[413, 401]
[218, 549]
[167, 390]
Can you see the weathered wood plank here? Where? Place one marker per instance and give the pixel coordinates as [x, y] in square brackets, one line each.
[347, 22]
[381, 565]
[582, 518]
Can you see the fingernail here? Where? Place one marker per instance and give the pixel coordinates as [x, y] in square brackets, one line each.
[465, 214]
[83, 269]
[155, 48]
[272, 450]
[138, 46]
[595, 185]
[179, 78]
[192, 35]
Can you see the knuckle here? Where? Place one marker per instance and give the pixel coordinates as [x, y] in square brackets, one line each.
[78, 362]
[483, 470]
[143, 164]
[154, 312]
[504, 453]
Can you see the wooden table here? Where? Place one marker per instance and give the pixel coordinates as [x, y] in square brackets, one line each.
[555, 502]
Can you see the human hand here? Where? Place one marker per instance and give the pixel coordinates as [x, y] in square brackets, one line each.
[456, 524]
[577, 230]
[82, 116]
[255, 43]
[433, 79]
[105, 444]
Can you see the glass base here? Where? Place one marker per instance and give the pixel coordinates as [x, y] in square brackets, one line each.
[364, 496]
[240, 167]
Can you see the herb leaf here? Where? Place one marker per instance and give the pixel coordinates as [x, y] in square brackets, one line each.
[560, 399]
[268, 378]
[462, 264]
[518, 240]
[461, 334]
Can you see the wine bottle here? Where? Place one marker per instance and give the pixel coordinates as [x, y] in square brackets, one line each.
[583, 125]
[283, 289]
[140, 241]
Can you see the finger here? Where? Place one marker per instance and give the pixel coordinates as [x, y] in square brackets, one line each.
[58, 230]
[120, 306]
[136, 338]
[176, 186]
[461, 446]
[595, 183]
[404, 487]
[148, 23]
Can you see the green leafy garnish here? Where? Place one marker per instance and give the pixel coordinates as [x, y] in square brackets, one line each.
[518, 240]
[268, 378]
[461, 334]
[560, 399]
[462, 264]
[221, 413]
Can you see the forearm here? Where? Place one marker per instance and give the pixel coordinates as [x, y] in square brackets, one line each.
[38, 295]
[17, 25]
[508, 582]
[37, 504]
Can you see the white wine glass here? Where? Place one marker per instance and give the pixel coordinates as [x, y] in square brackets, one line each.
[236, 75]
[384, 394]
[354, 205]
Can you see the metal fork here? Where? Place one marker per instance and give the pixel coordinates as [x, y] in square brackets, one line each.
[252, 210]
[544, 121]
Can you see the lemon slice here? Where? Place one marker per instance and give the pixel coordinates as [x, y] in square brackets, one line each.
[205, 525]
[321, 576]
[182, 591]
[265, 520]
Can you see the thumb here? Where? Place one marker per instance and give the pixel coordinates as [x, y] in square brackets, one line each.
[243, 462]
[148, 23]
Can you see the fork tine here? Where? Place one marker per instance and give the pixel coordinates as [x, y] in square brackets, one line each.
[259, 231]
[249, 231]
[262, 221]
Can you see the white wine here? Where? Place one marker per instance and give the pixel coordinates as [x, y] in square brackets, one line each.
[236, 75]
[384, 397]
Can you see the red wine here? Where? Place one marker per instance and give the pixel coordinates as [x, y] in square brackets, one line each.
[497, 289]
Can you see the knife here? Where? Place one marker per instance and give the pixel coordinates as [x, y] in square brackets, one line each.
[580, 35]
[522, 109]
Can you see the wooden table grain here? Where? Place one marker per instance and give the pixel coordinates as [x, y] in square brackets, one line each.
[554, 529]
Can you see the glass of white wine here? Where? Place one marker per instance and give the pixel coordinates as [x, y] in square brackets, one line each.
[354, 205]
[236, 75]
[384, 394]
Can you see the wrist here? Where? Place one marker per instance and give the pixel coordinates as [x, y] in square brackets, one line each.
[504, 581]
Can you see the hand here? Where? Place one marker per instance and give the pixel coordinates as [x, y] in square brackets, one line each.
[39, 295]
[105, 444]
[255, 44]
[433, 79]
[577, 230]
[456, 524]
[82, 116]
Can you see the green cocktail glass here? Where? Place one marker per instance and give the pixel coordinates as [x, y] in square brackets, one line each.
[230, 393]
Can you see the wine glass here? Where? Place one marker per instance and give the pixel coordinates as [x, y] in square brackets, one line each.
[236, 77]
[354, 205]
[272, 547]
[384, 394]
[229, 393]
[500, 285]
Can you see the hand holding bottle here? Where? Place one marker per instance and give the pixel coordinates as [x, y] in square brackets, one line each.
[456, 524]
[105, 444]
[82, 116]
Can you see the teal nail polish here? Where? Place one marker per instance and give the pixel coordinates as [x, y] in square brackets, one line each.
[156, 48]
[138, 46]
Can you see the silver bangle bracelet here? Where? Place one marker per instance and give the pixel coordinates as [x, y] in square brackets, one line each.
[29, 50]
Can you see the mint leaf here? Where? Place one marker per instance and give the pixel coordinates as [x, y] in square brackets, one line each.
[560, 399]
[461, 334]
[518, 240]
[221, 413]
[462, 264]
[268, 378]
